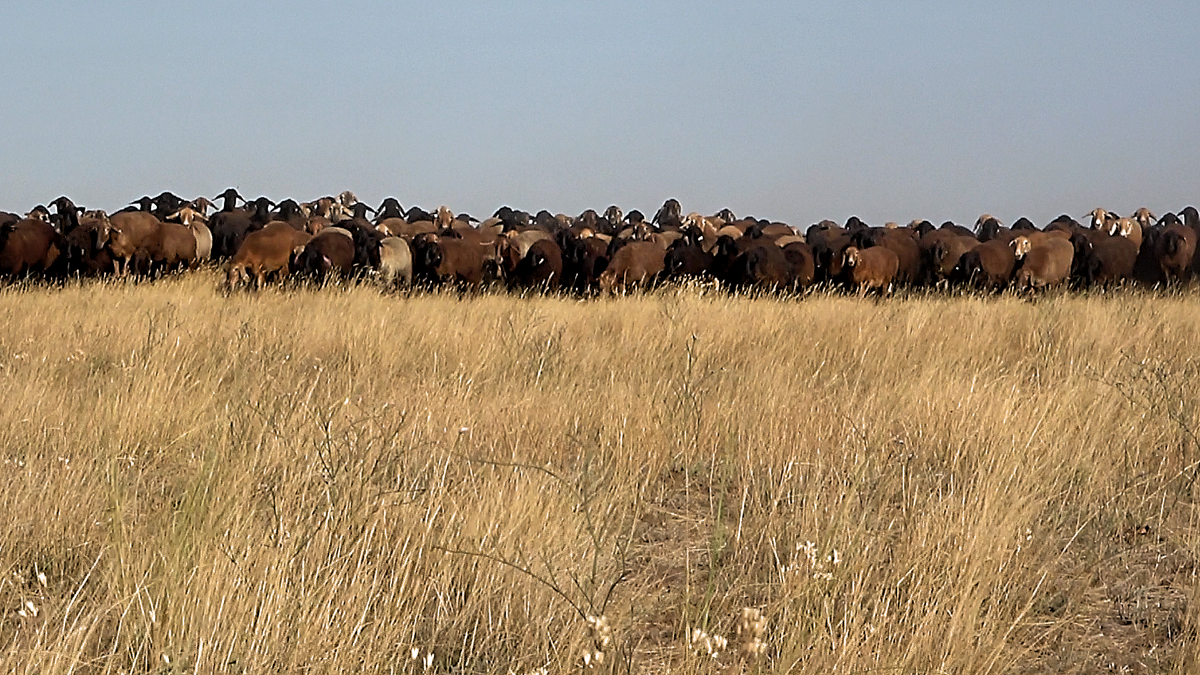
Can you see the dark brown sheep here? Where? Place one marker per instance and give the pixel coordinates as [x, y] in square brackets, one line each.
[330, 251]
[684, 260]
[764, 266]
[584, 258]
[447, 259]
[803, 266]
[1101, 258]
[27, 246]
[542, 266]
[940, 252]
[85, 246]
[1175, 247]
[989, 265]
[1191, 220]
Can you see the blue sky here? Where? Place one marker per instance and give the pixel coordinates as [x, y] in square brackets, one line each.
[784, 110]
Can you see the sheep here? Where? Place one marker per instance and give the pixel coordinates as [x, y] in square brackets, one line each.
[940, 253]
[1101, 258]
[196, 221]
[668, 214]
[395, 262]
[542, 266]
[1101, 219]
[988, 265]
[29, 245]
[331, 250]
[634, 264]
[1130, 228]
[870, 268]
[170, 246]
[803, 266]
[129, 232]
[1047, 263]
[900, 242]
[684, 260]
[445, 259]
[764, 265]
[1175, 249]
[264, 251]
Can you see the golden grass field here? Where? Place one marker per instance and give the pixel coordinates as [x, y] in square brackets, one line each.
[337, 480]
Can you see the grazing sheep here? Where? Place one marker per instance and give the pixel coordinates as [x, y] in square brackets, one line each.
[684, 260]
[263, 252]
[637, 263]
[330, 251]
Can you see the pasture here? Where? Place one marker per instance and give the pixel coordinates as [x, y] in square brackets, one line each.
[339, 480]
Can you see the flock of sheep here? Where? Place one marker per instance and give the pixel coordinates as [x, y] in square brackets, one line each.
[261, 240]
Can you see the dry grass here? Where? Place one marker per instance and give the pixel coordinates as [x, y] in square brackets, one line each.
[337, 480]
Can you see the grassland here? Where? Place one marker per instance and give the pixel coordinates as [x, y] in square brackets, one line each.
[335, 480]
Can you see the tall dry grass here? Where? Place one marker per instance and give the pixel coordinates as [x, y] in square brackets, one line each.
[338, 480]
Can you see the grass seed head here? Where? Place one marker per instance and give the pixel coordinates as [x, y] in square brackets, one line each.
[751, 629]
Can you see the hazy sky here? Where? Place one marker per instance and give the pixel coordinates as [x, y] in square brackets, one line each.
[793, 111]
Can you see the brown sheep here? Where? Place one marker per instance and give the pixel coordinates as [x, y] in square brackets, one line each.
[989, 265]
[800, 256]
[1175, 247]
[634, 264]
[870, 268]
[520, 242]
[29, 245]
[1101, 258]
[1047, 263]
[331, 250]
[197, 221]
[446, 259]
[85, 245]
[265, 251]
[900, 242]
[129, 231]
[1130, 228]
[169, 247]
[940, 252]
[1101, 219]
[541, 267]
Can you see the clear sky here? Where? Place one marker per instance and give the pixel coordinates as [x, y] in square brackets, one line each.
[792, 111]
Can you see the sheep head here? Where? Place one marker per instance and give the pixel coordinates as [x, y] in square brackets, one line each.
[1021, 246]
